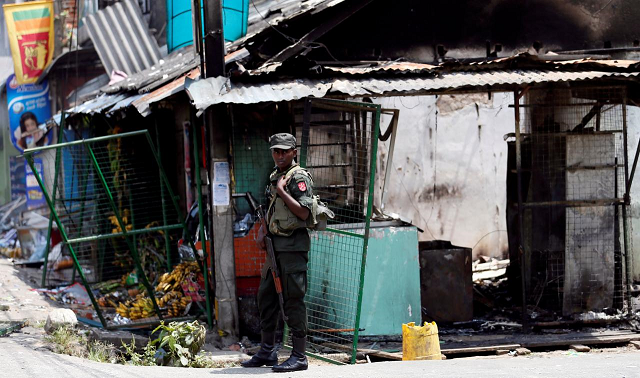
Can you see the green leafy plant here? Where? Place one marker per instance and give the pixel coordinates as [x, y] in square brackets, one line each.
[146, 358]
[178, 343]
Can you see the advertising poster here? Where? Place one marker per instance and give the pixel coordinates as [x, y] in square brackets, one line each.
[29, 109]
[16, 169]
[35, 197]
[30, 30]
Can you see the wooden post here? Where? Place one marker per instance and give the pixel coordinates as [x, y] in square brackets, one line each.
[221, 212]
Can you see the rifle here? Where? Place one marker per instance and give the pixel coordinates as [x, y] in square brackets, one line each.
[271, 255]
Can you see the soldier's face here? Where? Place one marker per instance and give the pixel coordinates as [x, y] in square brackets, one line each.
[283, 158]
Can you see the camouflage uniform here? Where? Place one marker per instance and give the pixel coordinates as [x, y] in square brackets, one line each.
[292, 254]
[291, 243]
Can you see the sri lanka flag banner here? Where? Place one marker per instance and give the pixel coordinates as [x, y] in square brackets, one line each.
[30, 29]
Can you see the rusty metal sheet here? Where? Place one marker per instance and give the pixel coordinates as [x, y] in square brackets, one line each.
[143, 103]
[505, 64]
[165, 70]
[401, 67]
[207, 92]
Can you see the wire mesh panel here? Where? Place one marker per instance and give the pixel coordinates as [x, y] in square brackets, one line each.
[573, 190]
[338, 147]
[120, 225]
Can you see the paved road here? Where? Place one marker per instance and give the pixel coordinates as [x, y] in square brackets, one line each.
[23, 354]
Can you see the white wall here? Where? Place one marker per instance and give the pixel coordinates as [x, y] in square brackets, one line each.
[449, 168]
[456, 143]
[633, 127]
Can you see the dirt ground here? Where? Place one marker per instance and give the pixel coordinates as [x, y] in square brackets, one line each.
[20, 303]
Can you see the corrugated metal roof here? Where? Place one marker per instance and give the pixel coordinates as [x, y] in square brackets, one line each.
[122, 38]
[165, 70]
[98, 104]
[207, 92]
[142, 103]
[176, 64]
[523, 61]
[402, 67]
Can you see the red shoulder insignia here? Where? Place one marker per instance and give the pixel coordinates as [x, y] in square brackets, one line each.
[302, 186]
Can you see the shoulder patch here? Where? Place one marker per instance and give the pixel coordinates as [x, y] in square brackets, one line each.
[302, 186]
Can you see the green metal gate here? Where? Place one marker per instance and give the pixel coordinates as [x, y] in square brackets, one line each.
[120, 221]
[339, 141]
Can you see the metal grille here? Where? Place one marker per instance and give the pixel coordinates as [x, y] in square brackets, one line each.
[120, 224]
[573, 180]
[338, 147]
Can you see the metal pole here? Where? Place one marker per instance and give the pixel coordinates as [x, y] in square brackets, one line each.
[55, 192]
[394, 127]
[132, 232]
[196, 16]
[304, 143]
[84, 142]
[82, 206]
[61, 229]
[633, 168]
[627, 201]
[203, 240]
[521, 251]
[167, 242]
[375, 125]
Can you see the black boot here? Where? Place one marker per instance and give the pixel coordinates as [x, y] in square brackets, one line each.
[298, 360]
[268, 353]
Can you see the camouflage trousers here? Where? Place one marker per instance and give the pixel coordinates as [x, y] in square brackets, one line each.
[293, 277]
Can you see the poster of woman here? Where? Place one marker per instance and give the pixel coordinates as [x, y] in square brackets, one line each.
[29, 109]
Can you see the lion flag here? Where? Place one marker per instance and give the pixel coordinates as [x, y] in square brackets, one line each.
[30, 29]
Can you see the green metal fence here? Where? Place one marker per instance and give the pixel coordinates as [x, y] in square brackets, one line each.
[339, 142]
[119, 222]
[338, 145]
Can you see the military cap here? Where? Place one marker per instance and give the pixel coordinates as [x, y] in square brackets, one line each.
[283, 141]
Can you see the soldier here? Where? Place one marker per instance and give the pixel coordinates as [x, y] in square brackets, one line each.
[291, 203]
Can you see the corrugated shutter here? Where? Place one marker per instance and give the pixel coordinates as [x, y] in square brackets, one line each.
[122, 38]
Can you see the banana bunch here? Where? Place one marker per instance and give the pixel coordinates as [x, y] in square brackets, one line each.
[177, 306]
[168, 292]
[172, 281]
[122, 310]
[141, 308]
[169, 298]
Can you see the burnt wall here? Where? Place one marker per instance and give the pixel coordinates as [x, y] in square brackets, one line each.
[412, 28]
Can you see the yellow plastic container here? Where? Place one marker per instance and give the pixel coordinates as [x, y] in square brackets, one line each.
[420, 343]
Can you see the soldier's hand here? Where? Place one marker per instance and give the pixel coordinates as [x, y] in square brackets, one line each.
[281, 184]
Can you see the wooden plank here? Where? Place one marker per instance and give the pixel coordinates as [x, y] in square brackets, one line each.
[481, 349]
[587, 340]
[382, 354]
[371, 352]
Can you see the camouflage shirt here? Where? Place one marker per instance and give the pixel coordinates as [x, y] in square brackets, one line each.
[300, 186]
